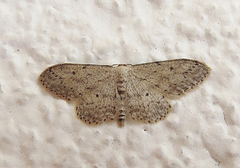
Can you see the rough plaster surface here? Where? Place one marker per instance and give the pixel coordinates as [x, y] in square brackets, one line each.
[39, 130]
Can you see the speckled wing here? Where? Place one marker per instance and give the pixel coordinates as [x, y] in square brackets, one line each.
[172, 78]
[98, 105]
[69, 81]
[144, 103]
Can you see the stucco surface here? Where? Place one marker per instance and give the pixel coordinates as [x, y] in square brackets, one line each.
[40, 130]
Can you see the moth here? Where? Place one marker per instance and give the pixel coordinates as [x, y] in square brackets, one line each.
[143, 91]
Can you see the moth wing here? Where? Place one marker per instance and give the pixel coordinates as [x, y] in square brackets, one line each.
[172, 78]
[98, 105]
[69, 81]
[144, 103]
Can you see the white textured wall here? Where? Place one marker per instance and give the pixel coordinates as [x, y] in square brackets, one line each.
[39, 130]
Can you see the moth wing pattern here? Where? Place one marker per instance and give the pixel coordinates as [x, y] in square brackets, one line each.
[69, 81]
[98, 105]
[144, 103]
[173, 78]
